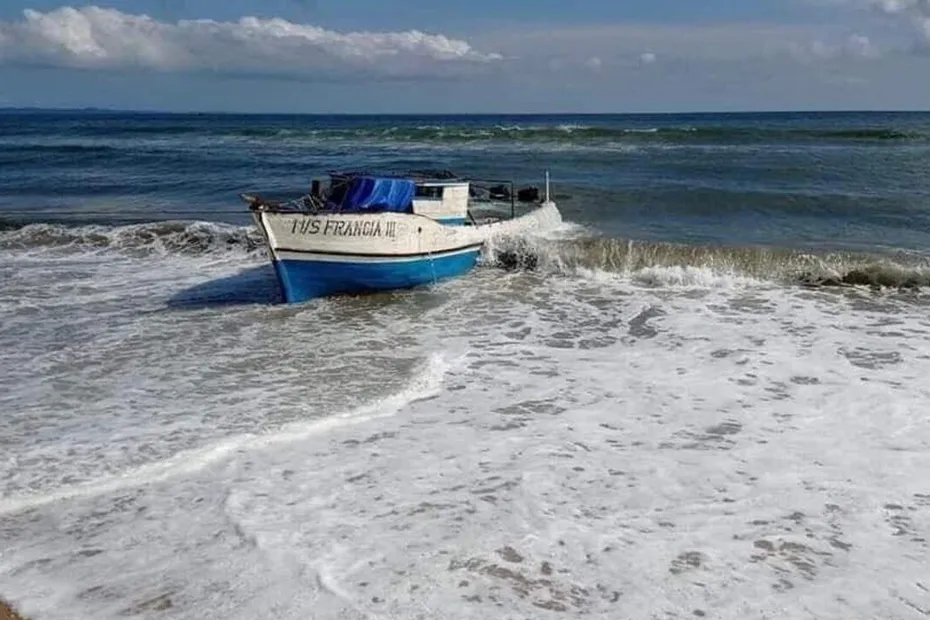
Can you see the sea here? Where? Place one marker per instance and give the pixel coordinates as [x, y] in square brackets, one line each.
[705, 395]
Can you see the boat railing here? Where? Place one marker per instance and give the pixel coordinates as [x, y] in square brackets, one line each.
[489, 191]
[308, 203]
[499, 190]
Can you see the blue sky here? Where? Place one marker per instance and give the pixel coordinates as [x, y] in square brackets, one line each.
[436, 14]
[477, 56]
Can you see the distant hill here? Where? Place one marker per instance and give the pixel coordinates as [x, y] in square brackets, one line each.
[37, 110]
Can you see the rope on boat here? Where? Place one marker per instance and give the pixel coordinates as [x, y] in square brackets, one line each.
[432, 266]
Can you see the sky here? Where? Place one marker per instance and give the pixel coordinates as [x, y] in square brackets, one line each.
[472, 56]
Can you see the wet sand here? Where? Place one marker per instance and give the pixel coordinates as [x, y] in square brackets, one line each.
[7, 613]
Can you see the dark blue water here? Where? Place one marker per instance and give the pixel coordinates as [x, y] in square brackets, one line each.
[855, 181]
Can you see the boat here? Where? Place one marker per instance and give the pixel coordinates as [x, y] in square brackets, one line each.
[365, 232]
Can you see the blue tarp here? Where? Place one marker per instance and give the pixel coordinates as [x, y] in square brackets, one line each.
[379, 194]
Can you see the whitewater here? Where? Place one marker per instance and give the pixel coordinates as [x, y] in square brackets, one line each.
[601, 428]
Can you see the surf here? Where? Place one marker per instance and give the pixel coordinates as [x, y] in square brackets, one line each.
[633, 258]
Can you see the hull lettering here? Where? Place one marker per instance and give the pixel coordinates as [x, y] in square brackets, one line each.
[344, 228]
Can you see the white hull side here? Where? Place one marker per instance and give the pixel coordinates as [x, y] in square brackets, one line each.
[542, 218]
[387, 234]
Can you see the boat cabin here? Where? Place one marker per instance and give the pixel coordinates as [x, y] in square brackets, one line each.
[439, 195]
[444, 199]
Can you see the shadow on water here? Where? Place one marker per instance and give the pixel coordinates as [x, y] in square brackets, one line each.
[256, 285]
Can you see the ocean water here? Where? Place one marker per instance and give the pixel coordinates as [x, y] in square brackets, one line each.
[705, 396]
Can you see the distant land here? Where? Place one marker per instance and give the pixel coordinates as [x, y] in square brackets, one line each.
[730, 113]
[87, 110]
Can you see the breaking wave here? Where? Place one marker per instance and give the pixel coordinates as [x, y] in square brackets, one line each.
[642, 260]
[626, 134]
[467, 133]
[647, 262]
[169, 237]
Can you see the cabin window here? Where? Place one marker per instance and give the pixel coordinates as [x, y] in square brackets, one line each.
[428, 191]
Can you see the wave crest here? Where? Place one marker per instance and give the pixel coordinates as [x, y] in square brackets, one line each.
[657, 263]
[649, 263]
[454, 133]
[585, 133]
[168, 237]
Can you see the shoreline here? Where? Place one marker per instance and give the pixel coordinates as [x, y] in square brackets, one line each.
[7, 612]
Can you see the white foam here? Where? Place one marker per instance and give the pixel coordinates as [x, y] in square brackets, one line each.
[50, 241]
[663, 447]
[646, 471]
[425, 384]
[690, 277]
[544, 248]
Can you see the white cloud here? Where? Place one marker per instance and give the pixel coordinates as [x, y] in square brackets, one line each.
[859, 46]
[594, 63]
[855, 46]
[913, 14]
[917, 12]
[903, 6]
[628, 45]
[97, 38]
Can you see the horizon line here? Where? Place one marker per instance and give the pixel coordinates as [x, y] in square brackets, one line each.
[98, 109]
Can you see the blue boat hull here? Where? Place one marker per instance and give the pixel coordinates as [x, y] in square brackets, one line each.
[313, 275]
